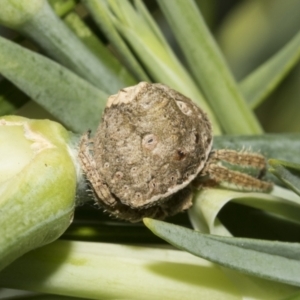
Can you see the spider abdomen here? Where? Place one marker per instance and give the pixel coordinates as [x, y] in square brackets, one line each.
[152, 142]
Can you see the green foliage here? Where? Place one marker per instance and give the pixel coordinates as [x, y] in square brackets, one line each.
[288, 172]
[270, 260]
[260, 83]
[95, 48]
[209, 68]
[72, 100]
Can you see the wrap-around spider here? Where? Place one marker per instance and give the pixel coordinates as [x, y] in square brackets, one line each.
[152, 148]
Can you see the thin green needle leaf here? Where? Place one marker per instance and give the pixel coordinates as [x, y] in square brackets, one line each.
[261, 82]
[158, 57]
[101, 15]
[270, 260]
[45, 28]
[72, 100]
[90, 40]
[62, 7]
[209, 67]
[287, 250]
[140, 6]
[288, 172]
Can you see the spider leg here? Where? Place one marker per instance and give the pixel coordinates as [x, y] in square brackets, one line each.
[214, 173]
[89, 169]
[242, 158]
[235, 180]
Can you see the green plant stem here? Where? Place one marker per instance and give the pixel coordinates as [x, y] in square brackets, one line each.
[98, 270]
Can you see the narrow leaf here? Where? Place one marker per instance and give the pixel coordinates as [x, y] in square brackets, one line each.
[261, 82]
[287, 250]
[91, 41]
[157, 56]
[62, 7]
[282, 264]
[208, 203]
[209, 67]
[143, 11]
[44, 27]
[288, 172]
[101, 15]
[72, 100]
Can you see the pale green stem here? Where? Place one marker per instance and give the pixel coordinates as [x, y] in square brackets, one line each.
[110, 271]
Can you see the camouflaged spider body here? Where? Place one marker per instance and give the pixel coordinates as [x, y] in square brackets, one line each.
[151, 144]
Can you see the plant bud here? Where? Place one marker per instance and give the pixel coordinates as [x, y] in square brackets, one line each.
[37, 184]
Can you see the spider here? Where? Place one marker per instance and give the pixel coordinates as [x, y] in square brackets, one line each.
[152, 148]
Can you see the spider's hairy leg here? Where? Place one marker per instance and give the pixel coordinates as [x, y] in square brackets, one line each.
[236, 180]
[225, 177]
[88, 166]
[242, 158]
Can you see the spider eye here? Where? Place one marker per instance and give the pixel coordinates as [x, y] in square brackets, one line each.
[149, 141]
[184, 108]
[133, 169]
[152, 184]
[138, 197]
[118, 175]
